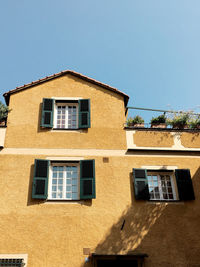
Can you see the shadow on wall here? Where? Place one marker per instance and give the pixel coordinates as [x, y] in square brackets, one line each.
[168, 232]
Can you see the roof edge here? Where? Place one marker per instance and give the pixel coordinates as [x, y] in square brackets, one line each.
[59, 74]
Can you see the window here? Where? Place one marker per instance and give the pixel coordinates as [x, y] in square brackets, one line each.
[11, 262]
[163, 185]
[64, 180]
[65, 114]
[17, 260]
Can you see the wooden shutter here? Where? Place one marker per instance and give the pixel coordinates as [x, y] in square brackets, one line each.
[184, 184]
[87, 179]
[141, 184]
[47, 112]
[40, 180]
[84, 113]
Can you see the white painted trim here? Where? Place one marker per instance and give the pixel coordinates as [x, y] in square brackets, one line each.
[66, 98]
[162, 167]
[165, 148]
[86, 152]
[15, 256]
[130, 139]
[65, 158]
[176, 139]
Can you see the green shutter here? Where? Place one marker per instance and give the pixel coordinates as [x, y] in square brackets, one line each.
[87, 179]
[184, 184]
[141, 184]
[40, 180]
[84, 113]
[47, 112]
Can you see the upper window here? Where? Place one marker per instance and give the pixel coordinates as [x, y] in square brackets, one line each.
[163, 185]
[64, 180]
[65, 114]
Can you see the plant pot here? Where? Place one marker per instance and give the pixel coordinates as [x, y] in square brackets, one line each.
[138, 125]
[180, 126]
[158, 125]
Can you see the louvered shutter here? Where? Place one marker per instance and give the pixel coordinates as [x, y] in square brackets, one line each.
[87, 179]
[141, 184]
[40, 180]
[47, 112]
[84, 113]
[184, 184]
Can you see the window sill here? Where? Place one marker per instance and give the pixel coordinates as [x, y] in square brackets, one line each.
[66, 129]
[63, 201]
[76, 130]
[157, 202]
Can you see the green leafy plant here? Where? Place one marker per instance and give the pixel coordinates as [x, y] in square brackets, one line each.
[3, 111]
[179, 120]
[136, 120]
[194, 122]
[158, 120]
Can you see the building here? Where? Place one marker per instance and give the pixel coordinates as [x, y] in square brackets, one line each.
[80, 189]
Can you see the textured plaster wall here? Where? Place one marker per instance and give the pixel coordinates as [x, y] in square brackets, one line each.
[54, 234]
[107, 117]
[191, 139]
[153, 139]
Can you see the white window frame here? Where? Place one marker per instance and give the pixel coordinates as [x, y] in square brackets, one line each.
[173, 185]
[56, 104]
[67, 163]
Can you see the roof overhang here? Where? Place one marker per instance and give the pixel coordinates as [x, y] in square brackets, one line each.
[62, 73]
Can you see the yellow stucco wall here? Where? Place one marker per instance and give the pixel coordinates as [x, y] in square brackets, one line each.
[191, 139]
[107, 117]
[54, 234]
[153, 139]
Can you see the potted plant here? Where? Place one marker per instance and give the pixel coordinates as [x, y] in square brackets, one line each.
[137, 121]
[179, 121]
[159, 122]
[194, 123]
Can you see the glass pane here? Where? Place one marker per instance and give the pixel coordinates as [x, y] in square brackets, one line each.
[60, 188]
[54, 175]
[74, 182]
[68, 188]
[60, 174]
[165, 196]
[68, 181]
[54, 181]
[60, 181]
[169, 189]
[53, 195]
[68, 195]
[74, 196]
[74, 189]
[157, 195]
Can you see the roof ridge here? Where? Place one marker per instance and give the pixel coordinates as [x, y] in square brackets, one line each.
[55, 75]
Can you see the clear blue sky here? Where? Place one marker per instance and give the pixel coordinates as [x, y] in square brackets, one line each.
[148, 49]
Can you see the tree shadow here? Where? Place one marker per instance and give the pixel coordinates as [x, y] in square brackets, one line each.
[167, 232]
